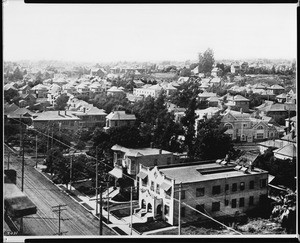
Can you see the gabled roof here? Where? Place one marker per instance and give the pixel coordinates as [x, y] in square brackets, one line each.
[289, 150]
[277, 87]
[8, 108]
[138, 152]
[120, 115]
[20, 112]
[240, 98]
[115, 89]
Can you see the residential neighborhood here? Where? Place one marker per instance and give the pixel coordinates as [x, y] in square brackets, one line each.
[171, 147]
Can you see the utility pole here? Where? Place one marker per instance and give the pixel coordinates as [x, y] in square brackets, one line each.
[71, 164]
[59, 214]
[52, 137]
[131, 210]
[23, 162]
[107, 186]
[36, 153]
[179, 209]
[100, 216]
[8, 154]
[96, 180]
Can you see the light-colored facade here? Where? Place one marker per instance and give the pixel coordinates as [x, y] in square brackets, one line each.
[216, 189]
[118, 119]
[242, 127]
[130, 159]
[153, 91]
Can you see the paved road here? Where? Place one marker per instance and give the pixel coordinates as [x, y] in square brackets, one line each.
[44, 194]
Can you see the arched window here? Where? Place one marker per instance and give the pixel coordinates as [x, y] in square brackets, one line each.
[260, 128]
[228, 126]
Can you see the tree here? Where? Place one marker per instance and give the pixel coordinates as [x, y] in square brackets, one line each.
[17, 74]
[185, 72]
[206, 61]
[188, 122]
[211, 142]
[185, 93]
[11, 95]
[61, 102]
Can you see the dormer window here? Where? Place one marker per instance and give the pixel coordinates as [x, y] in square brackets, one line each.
[260, 128]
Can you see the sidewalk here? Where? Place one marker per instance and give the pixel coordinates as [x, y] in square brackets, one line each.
[119, 226]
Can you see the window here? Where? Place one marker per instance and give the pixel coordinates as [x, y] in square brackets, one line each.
[251, 200]
[215, 206]
[157, 189]
[182, 212]
[233, 203]
[167, 209]
[200, 192]
[182, 194]
[200, 207]
[234, 187]
[226, 187]
[228, 126]
[259, 135]
[242, 202]
[263, 183]
[244, 125]
[242, 186]
[145, 181]
[226, 202]
[152, 186]
[260, 128]
[216, 190]
[251, 186]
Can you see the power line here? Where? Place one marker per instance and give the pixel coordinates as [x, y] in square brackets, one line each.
[101, 161]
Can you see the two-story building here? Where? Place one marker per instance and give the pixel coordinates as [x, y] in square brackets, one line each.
[118, 119]
[242, 127]
[90, 117]
[130, 159]
[62, 119]
[237, 103]
[215, 189]
[146, 90]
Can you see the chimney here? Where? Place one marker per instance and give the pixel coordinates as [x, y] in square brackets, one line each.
[83, 109]
[65, 112]
[160, 151]
[151, 145]
[59, 113]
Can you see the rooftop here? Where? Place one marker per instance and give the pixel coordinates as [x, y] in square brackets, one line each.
[120, 115]
[55, 116]
[205, 172]
[140, 151]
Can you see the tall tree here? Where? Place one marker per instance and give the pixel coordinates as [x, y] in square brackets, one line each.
[61, 102]
[211, 142]
[206, 61]
[188, 122]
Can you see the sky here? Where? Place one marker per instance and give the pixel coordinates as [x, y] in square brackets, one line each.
[147, 32]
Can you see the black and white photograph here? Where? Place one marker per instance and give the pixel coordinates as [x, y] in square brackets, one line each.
[149, 120]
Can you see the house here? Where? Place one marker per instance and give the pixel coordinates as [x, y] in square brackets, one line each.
[204, 114]
[27, 100]
[83, 89]
[138, 83]
[170, 89]
[277, 111]
[146, 90]
[288, 152]
[276, 89]
[235, 68]
[242, 127]
[40, 91]
[118, 119]
[24, 90]
[100, 72]
[281, 98]
[90, 117]
[115, 90]
[238, 102]
[205, 95]
[9, 86]
[61, 119]
[130, 159]
[215, 72]
[96, 87]
[216, 189]
[20, 114]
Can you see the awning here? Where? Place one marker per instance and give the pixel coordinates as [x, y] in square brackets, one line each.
[142, 175]
[116, 172]
[165, 186]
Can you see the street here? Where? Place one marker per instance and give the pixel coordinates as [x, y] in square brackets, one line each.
[44, 194]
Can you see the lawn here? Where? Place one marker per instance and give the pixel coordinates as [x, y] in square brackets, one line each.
[123, 212]
[149, 226]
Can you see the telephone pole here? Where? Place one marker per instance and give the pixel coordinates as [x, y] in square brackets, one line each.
[71, 165]
[179, 210]
[100, 215]
[36, 153]
[96, 180]
[59, 209]
[131, 210]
